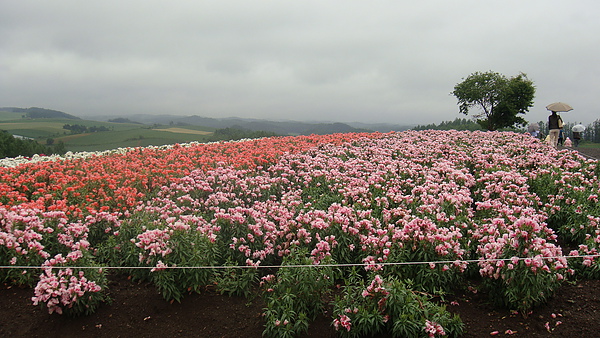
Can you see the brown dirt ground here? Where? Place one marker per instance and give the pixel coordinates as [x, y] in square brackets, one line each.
[138, 310]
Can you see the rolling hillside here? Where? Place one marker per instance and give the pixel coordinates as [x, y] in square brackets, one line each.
[51, 127]
[35, 113]
[109, 132]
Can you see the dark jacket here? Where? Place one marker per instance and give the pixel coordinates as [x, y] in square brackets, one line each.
[553, 121]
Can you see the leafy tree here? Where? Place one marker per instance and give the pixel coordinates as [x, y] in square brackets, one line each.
[593, 131]
[499, 99]
[13, 147]
[59, 148]
[80, 129]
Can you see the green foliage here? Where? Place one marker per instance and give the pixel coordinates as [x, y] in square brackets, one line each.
[320, 194]
[500, 99]
[59, 148]
[588, 266]
[190, 249]
[435, 278]
[294, 296]
[570, 209]
[19, 277]
[120, 250]
[14, 147]
[79, 129]
[592, 133]
[141, 242]
[390, 307]
[521, 288]
[236, 282]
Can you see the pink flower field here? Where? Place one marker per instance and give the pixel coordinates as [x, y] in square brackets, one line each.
[374, 226]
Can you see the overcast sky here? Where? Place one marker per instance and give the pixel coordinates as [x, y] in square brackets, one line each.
[326, 60]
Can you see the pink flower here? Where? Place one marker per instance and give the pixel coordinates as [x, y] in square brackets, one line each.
[343, 321]
[432, 329]
[159, 266]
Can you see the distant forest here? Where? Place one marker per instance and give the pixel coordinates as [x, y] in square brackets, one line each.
[11, 146]
[457, 124]
[80, 129]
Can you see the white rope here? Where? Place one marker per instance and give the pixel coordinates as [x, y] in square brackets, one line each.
[291, 265]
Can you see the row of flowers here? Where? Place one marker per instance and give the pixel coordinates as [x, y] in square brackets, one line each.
[382, 201]
[116, 180]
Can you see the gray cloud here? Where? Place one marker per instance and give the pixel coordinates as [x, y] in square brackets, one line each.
[312, 60]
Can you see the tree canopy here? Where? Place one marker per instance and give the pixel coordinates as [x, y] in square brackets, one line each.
[13, 147]
[498, 99]
[457, 124]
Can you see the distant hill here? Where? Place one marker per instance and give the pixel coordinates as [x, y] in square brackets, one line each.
[328, 128]
[278, 127]
[40, 113]
[123, 120]
[457, 124]
[380, 127]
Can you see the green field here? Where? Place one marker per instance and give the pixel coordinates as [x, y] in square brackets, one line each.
[119, 134]
[140, 137]
[589, 145]
[8, 116]
[43, 128]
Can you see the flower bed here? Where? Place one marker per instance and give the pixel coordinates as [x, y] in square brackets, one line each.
[345, 209]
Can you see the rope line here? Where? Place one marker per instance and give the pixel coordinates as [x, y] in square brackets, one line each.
[293, 265]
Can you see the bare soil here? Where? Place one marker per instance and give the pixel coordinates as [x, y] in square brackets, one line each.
[138, 310]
